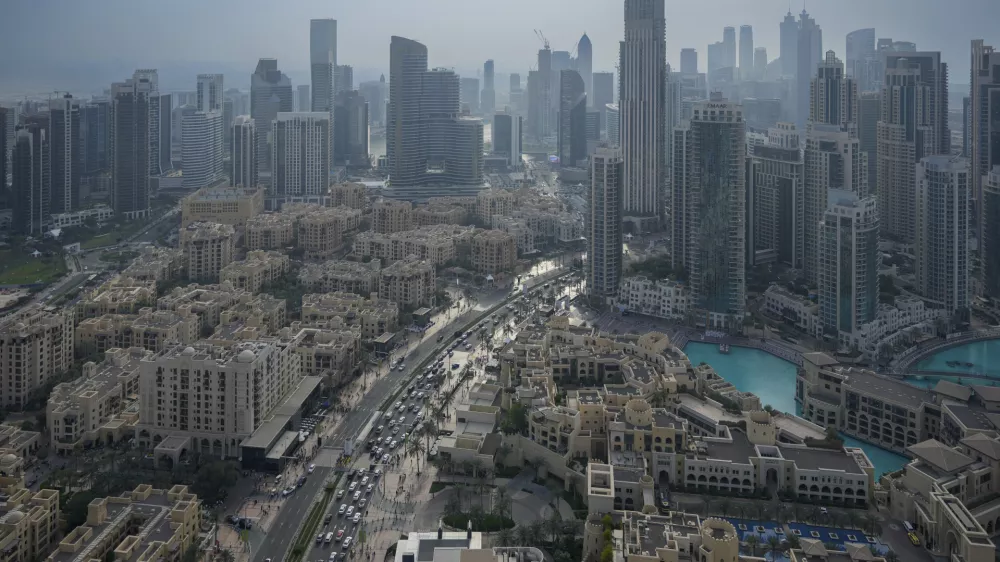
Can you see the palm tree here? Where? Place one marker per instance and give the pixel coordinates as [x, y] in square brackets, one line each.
[523, 533]
[891, 556]
[852, 519]
[659, 398]
[752, 542]
[869, 522]
[773, 546]
[416, 448]
[814, 514]
[501, 502]
[554, 524]
[793, 541]
[725, 504]
[761, 509]
[504, 537]
[706, 505]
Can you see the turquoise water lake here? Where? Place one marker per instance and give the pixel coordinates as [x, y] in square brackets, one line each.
[773, 380]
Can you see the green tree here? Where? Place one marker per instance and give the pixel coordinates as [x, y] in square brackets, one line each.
[752, 542]
[191, 554]
[516, 420]
[212, 479]
[773, 546]
[75, 510]
[891, 556]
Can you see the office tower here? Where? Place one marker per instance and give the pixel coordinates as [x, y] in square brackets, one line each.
[869, 113]
[716, 56]
[849, 262]
[604, 224]
[202, 142]
[375, 93]
[709, 211]
[302, 97]
[966, 127]
[271, 93]
[934, 74]
[833, 97]
[507, 138]
[729, 47]
[470, 95]
[540, 95]
[30, 177]
[243, 170]
[572, 118]
[604, 93]
[788, 46]
[131, 147]
[407, 64]
[209, 92]
[561, 61]
[351, 134]
[906, 133]
[160, 123]
[759, 63]
[10, 121]
[942, 245]
[613, 120]
[427, 140]
[5, 116]
[322, 63]
[301, 154]
[343, 79]
[689, 61]
[95, 136]
[983, 121]
[641, 102]
[227, 124]
[990, 253]
[489, 95]
[65, 157]
[177, 130]
[585, 66]
[775, 197]
[746, 52]
[593, 129]
[809, 55]
[515, 81]
[862, 60]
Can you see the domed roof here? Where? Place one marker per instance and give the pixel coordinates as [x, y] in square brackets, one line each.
[13, 517]
[8, 459]
[246, 356]
[188, 351]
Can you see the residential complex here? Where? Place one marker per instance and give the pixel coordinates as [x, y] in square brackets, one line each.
[390, 216]
[36, 344]
[353, 195]
[942, 243]
[150, 329]
[341, 276]
[224, 205]
[493, 252]
[604, 236]
[207, 301]
[435, 244]
[409, 283]
[375, 316]
[119, 295]
[322, 231]
[661, 298]
[260, 268]
[209, 247]
[157, 264]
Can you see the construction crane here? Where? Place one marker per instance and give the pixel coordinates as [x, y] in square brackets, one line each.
[542, 38]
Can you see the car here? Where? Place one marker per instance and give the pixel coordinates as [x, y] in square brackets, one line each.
[824, 511]
[362, 503]
[439, 338]
[347, 541]
[402, 407]
[319, 538]
[312, 467]
[369, 489]
[392, 445]
[378, 472]
[913, 538]
[340, 494]
[402, 368]
[350, 475]
[395, 430]
[352, 487]
[379, 429]
[340, 535]
[378, 441]
[364, 480]
[385, 458]
[302, 480]
[328, 518]
[378, 452]
[350, 510]
[357, 518]
[329, 538]
[455, 366]
[287, 491]
[343, 508]
[451, 354]
[357, 495]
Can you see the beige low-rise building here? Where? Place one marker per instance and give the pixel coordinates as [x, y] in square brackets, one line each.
[270, 231]
[493, 252]
[100, 407]
[119, 295]
[322, 231]
[409, 283]
[155, 263]
[18, 441]
[144, 525]
[260, 311]
[150, 329]
[207, 301]
[433, 213]
[334, 353]
[36, 344]
[341, 276]
[208, 247]
[437, 244]
[491, 202]
[258, 269]
[222, 204]
[390, 216]
[29, 524]
[349, 194]
[375, 316]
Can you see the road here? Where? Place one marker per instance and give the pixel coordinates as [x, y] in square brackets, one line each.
[277, 544]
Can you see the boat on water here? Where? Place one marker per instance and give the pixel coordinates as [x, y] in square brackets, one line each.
[965, 364]
[724, 348]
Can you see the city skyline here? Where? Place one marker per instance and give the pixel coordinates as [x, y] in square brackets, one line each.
[464, 48]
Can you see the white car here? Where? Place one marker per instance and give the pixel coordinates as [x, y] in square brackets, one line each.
[385, 458]
[347, 541]
[362, 503]
[357, 495]
[364, 480]
[350, 510]
[392, 445]
[312, 467]
[340, 494]
[356, 518]
[370, 488]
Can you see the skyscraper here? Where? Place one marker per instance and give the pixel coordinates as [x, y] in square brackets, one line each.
[746, 52]
[572, 118]
[515, 81]
[689, 61]
[540, 95]
[604, 225]
[343, 79]
[30, 177]
[271, 93]
[507, 137]
[990, 253]
[301, 154]
[934, 75]
[905, 135]
[243, 170]
[407, 64]
[489, 97]
[849, 260]
[470, 94]
[209, 92]
[869, 112]
[4, 119]
[759, 63]
[65, 158]
[603, 93]
[643, 73]
[984, 131]
[862, 60]
[585, 66]
[159, 122]
[202, 150]
[709, 211]
[613, 118]
[95, 135]
[774, 197]
[942, 227]
[808, 56]
[788, 47]
[375, 92]
[351, 138]
[729, 47]
[323, 76]
[303, 98]
[131, 151]
[833, 97]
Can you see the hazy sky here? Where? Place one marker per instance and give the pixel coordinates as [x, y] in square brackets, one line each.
[458, 33]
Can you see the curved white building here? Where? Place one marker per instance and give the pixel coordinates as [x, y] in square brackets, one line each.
[202, 133]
